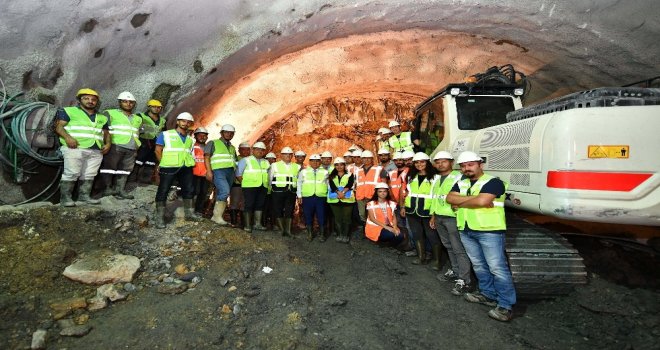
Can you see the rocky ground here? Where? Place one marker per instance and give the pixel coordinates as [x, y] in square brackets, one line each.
[202, 286]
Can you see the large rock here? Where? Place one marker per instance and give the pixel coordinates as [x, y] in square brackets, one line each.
[103, 266]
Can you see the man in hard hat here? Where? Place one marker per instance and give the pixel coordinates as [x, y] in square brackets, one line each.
[400, 141]
[312, 192]
[366, 179]
[348, 158]
[220, 160]
[385, 160]
[84, 138]
[479, 199]
[326, 161]
[252, 173]
[118, 163]
[175, 157]
[152, 124]
[284, 181]
[200, 183]
[382, 140]
[444, 221]
[408, 158]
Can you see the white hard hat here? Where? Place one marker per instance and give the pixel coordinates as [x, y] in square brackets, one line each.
[185, 116]
[244, 144]
[339, 160]
[348, 154]
[393, 123]
[384, 131]
[126, 96]
[300, 154]
[326, 154]
[383, 151]
[420, 156]
[259, 145]
[407, 154]
[201, 130]
[314, 157]
[397, 155]
[367, 154]
[228, 127]
[468, 156]
[381, 185]
[270, 155]
[443, 155]
[356, 153]
[286, 150]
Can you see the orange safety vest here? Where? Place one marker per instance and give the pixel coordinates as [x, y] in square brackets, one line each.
[371, 230]
[200, 167]
[397, 180]
[366, 183]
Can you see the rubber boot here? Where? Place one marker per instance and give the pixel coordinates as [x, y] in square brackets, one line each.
[287, 228]
[189, 211]
[160, 215]
[247, 222]
[66, 188]
[436, 257]
[310, 233]
[340, 233]
[121, 188]
[257, 221]
[85, 191]
[218, 211]
[280, 224]
[421, 253]
[108, 190]
[322, 236]
[233, 213]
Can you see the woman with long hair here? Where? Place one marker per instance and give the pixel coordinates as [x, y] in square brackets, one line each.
[341, 198]
[381, 224]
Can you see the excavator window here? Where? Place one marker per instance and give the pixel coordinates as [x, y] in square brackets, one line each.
[479, 112]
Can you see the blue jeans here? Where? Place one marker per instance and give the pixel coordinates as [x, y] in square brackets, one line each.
[486, 251]
[222, 179]
[314, 205]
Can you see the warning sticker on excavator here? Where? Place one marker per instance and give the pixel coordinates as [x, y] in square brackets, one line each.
[609, 151]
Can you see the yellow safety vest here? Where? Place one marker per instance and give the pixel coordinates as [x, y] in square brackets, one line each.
[401, 143]
[223, 157]
[149, 127]
[342, 183]
[122, 129]
[285, 175]
[176, 153]
[419, 199]
[439, 206]
[255, 173]
[313, 183]
[84, 130]
[482, 219]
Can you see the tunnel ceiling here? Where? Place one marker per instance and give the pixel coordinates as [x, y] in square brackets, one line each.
[255, 63]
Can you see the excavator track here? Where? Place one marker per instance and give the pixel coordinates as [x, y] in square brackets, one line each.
[543, 263]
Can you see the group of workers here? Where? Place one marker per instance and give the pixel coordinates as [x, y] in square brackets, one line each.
[405, 199]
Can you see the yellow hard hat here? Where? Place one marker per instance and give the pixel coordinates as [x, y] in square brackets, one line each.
[87, 91]
[154, 103]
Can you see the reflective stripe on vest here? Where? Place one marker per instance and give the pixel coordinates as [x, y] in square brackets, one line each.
[223, 157]
[439, 206]
[342, 183]
[176, 153]
[255, 173]
[419, 198]
[482, 219]
[200, 167]
[149, 127]
[397, 180]
[371, 229]
[285, 175]
[82, 129]
[122, 129]
[313, 182]
[366, 183]
[401, 143]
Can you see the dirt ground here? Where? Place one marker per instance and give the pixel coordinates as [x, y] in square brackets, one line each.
[318, 295]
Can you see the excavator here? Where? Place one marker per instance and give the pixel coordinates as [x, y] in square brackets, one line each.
[587, 156]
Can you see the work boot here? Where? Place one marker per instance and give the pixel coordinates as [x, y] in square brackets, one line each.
[233, 213]
[84, 193]
[218, 211]
[322, 236]
[159, 216]
[121, 188]
[280, 224]
[421, 253]
[109, 189]
[310, 233]
[189, 211]
[66, 188]
[287, 228]
[247, 221]
[346, 229]
[257, 221]
[501, 314]
[436, 256]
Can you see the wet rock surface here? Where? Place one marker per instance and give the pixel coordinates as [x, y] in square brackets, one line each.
[317, 296]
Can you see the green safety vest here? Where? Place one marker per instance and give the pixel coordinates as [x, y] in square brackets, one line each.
[313, 183]
[401, 143]
[84, 130]
[122, 129]
[223, 157]
[342, 183]
[482, 219]
[149, 127]
[439, 206]
[176, 153]
[420, 195]
[255, 173]
[285, 175]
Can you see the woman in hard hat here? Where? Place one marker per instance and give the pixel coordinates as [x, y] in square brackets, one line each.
[341, 198]
[200, 183]
[381, 219]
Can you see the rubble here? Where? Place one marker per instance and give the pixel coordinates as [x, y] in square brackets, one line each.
[103, 266]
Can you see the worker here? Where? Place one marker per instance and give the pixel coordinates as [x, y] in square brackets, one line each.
[400, 141]
[397, 179]
[152, 124]
[176, 162]
[407, 158]
[385, 161]
[341, 198]
[300, 157]
[298, 215]
[118, 163]
[284, 181]
[382, 140]
[366, 179]
[220, 161]
[236, 200]
[381, 224]
[357, 161]
[326, 161]
[348, 157]
[415, 202]
[268, 217]
[200, 183]
[252, 173]
[84, 139]
[479, 198]
[444, 222]
[312, 191]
